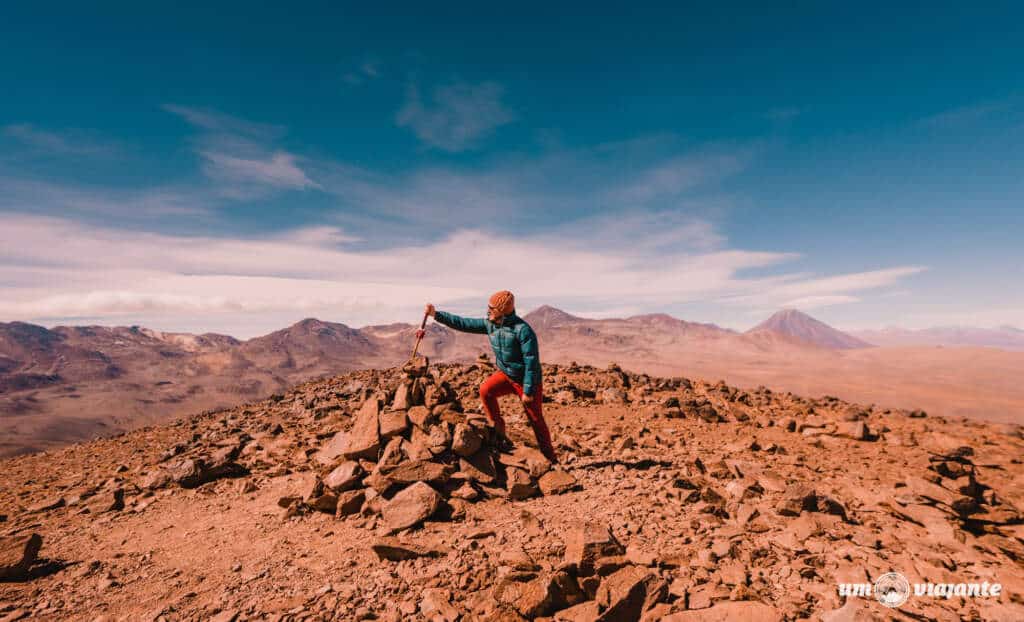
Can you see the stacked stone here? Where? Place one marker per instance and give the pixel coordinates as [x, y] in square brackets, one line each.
[419, 456]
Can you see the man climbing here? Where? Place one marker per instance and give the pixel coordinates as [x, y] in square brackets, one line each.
[518, 360]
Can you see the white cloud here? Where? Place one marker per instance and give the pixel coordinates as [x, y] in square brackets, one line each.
[457, 116]
[239, 156]
[58, 268]
[679, 174]
[214, 121]
[852, 282]
[560, 186]
[278, 170]
[40, 197]
[65, 142]
[803, 291]
[817, 302]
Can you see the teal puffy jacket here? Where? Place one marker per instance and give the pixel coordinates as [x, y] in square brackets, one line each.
[513, 341]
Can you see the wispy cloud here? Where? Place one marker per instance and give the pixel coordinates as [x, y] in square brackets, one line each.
[587, 186]
[817, 302]
[806, 292]
[366, 69]
[101, 272]
[218, 122]
[681, 173]
[239, 154]
[63, 143]
[852, 282]
[128, 206]
[279, 169]
[457, 116]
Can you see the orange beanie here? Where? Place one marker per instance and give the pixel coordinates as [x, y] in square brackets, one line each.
[503, 302]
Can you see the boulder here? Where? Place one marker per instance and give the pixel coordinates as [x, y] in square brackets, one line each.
[17, 554]
[46, 505]
[393, 454]
[585, 542]
[345, 476]
[436, 605]
[421, 416]
[435, 440]
[194, 472]
[583, 612]
[519, 484]
[621, 595]
[420, 471]
[612, 395]
[401, 400]
[743, 489]
[393, 423]
[534, 598]
[187, 473]
[363, 439]
[435, 394]
[393, 549]
[106, 501]
[333, 449]
[932, 493]
[466, 492]
[378, 481]
[349, 502]
[527, 458]
[465, 440]
[857, 430]
[411, 506]
[798, 498]
[326, 501]
[479, 467]
[416, 367]
[556, 482]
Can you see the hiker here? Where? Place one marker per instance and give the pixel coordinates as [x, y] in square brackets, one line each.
[518, 360]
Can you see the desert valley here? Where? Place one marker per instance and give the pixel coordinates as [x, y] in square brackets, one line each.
[74, 383]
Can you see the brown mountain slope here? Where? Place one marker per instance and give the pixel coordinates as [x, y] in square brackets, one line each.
[310, 347]
[73, 383]
[675, 500]
[84, 381]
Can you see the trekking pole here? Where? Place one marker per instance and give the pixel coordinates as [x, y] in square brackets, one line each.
[416, 347]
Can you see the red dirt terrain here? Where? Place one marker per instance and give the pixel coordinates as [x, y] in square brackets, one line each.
[384, 494]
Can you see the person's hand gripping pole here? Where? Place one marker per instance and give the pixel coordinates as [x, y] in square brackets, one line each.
[421, 332]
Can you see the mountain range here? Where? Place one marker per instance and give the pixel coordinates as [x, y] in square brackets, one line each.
[1003, 337]
[64, 384]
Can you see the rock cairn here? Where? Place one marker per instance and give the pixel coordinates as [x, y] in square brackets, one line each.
[413, 452]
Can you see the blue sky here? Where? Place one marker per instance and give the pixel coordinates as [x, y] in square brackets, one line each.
[239, 168]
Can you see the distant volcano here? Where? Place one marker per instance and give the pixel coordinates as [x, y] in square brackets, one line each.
[793, 323]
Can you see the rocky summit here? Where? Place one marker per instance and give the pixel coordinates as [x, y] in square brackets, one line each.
[387, 495]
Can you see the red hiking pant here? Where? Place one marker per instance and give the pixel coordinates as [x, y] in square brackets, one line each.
[498, 385]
